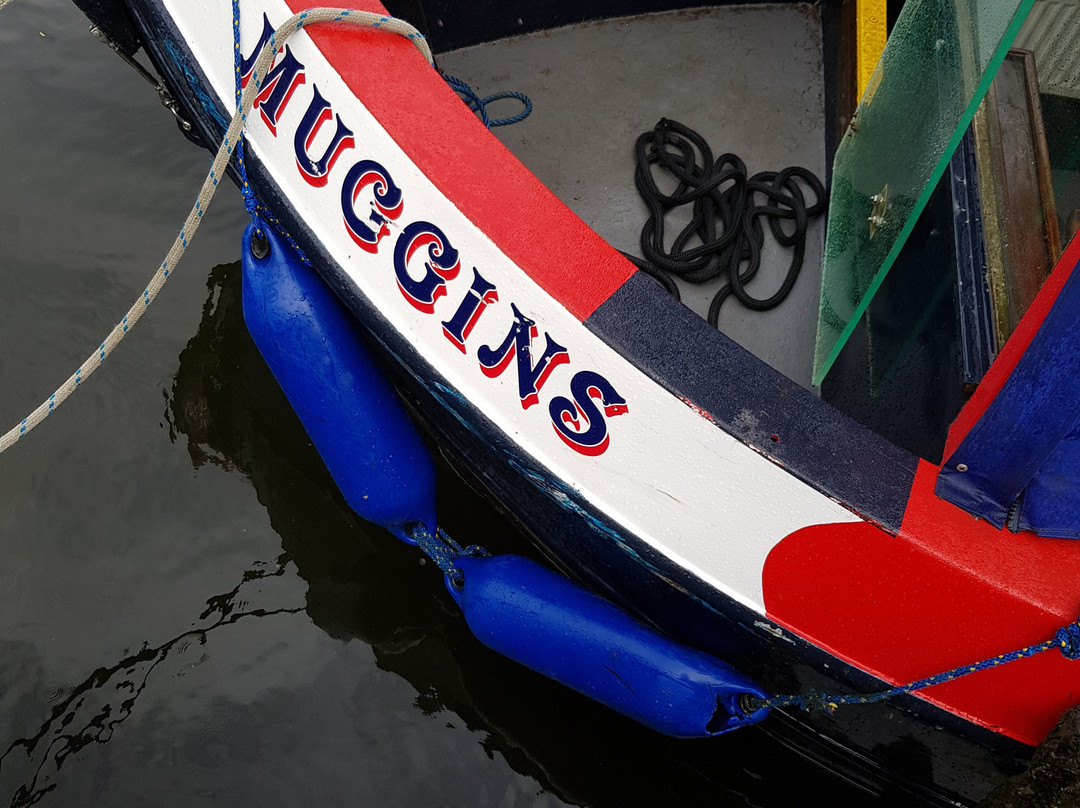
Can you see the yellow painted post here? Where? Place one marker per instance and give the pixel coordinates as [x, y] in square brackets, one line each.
[869, 42]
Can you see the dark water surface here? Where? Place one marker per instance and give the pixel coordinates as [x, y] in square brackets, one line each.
[189, 614]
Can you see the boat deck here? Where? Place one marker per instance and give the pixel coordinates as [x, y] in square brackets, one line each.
[747, 78]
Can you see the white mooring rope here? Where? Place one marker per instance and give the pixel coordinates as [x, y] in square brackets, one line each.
[206, 193]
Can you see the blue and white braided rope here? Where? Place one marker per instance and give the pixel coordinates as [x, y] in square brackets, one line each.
[206, 193]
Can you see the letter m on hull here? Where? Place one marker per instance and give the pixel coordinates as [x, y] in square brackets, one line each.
[280, 82]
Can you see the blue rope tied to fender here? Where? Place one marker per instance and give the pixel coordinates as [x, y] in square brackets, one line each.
[250, 203]
[1066, 639]
[443, 550]
[479, 105]
[258, 212]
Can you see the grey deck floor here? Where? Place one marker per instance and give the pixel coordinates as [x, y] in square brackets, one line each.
[748, 78]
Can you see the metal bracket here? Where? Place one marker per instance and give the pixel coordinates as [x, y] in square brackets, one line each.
[166, 98]
[881, 205]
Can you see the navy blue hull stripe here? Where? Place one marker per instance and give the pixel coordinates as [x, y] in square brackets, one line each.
[756, 404]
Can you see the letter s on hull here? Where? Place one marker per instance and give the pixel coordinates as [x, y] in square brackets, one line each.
[580, 423]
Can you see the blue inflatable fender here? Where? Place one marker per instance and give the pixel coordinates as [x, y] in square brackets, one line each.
[544, 621]
[315, 350]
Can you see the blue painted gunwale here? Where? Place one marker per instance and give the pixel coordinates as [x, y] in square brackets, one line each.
[996, 464]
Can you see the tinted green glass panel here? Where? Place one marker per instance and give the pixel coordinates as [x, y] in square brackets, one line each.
[939, 60]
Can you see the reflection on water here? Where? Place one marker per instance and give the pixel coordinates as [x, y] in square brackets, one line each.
[92, 710]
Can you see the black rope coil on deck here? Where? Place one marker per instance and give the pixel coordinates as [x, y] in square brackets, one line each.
[725, 229]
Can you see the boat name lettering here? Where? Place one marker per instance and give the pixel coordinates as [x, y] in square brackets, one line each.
[482, 293]
[318, 112]
[580, 423]
[518, 344]
[442, 265]
[387, 203]
[425, 261]
[284, 76]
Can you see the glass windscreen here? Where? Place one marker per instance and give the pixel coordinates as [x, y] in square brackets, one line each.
[940, 58]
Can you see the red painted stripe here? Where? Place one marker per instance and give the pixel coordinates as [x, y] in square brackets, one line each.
[469, 165]
[949, 589]
[900, 611]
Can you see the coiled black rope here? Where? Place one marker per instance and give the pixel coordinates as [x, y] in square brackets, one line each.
[725, 235]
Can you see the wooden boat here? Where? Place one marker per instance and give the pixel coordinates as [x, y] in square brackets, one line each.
[651, 456]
